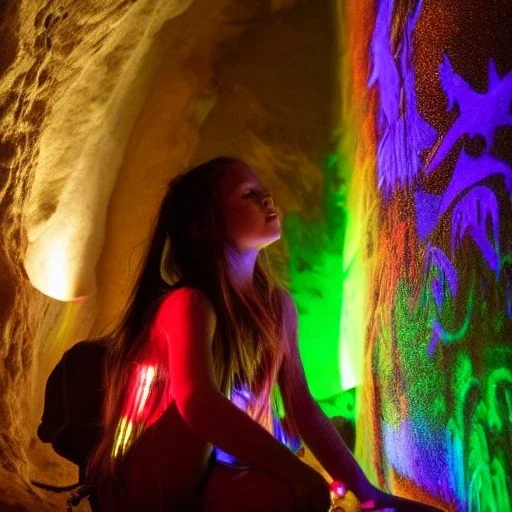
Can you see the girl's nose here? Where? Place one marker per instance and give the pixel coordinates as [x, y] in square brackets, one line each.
[267, 200]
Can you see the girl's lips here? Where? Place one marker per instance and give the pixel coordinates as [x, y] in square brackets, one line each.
[271, 217]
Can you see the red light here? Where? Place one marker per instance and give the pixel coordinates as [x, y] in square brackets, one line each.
[338, 488]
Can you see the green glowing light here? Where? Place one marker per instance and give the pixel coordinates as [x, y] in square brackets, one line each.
[315, 269]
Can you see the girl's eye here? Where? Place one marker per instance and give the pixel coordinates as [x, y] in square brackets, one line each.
[249, 193]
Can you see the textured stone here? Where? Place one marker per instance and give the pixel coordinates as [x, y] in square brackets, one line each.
[101, 104]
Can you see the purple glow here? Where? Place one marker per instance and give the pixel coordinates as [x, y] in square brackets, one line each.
[241, 397]
[459, 227]
[447, 274]
[470, 216]
[412, 441]
[480, 113]
[427, 212]
[403, 133]
[468, 172]
[435, 337]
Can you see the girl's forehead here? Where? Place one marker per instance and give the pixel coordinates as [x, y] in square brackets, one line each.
[235, 176]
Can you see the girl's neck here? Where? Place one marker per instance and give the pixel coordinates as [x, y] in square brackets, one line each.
[241, 267]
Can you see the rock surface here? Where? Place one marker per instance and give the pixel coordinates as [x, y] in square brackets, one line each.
[102, 103]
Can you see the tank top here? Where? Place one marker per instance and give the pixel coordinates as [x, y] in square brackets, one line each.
[241, 397]
[140, 409]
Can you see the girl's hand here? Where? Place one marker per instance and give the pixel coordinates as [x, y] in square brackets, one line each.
[310, 489]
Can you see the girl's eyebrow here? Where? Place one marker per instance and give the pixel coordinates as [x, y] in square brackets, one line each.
[250, 183]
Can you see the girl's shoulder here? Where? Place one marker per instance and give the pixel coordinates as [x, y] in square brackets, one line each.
[185, 291]
[185, 302]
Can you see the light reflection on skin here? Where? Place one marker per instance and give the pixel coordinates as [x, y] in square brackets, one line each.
[245, 205]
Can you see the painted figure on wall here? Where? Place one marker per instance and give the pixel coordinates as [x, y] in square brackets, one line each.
[440, 335]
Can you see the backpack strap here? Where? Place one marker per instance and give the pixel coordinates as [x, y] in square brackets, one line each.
[56, 412]
[65, 390]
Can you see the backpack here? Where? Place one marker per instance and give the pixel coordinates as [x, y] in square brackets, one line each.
[71, 419]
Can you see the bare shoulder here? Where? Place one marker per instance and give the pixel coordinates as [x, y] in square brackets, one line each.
[187, 303]
[188, 295]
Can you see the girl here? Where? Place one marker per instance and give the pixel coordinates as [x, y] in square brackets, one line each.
[190, 417]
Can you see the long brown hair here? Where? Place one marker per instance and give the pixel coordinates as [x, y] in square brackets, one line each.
[188, 248]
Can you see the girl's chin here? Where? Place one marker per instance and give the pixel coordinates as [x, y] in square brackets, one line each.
[271, 239]
[274, 229]
[275, 238]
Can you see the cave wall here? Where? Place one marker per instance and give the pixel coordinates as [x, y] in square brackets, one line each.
[432, 185]
[101, 106]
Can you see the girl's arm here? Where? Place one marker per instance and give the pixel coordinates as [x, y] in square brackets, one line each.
[314, 427]
[187, 319]
[320, 435]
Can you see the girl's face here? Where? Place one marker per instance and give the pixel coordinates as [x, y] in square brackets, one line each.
[250, 218]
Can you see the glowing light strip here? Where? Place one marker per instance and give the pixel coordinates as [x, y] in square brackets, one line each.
[134, 409]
